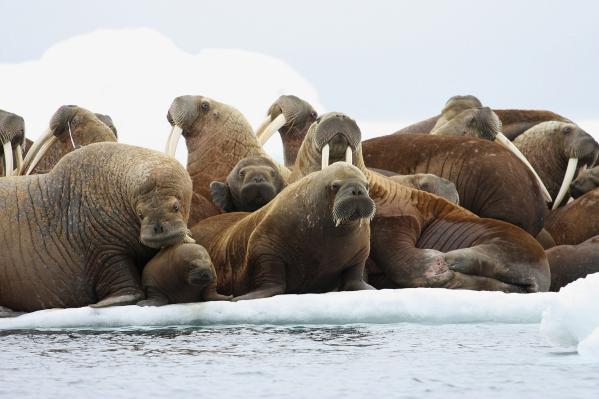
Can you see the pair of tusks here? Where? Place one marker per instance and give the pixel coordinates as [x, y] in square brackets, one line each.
[9, 166]
[325, 156]
[505, 142]
[38, 150]
[173, 140]
[267, 128]
[570, 172]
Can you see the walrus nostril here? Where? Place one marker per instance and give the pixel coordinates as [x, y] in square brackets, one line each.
[258, 179]
[158, 228]
[357, 192]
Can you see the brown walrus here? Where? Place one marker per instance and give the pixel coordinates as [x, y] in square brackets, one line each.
[571, 262]
[455, 106]
[80, 234]
[180, 274]
[419, 239]
[291, 117]
[313, 237]
[70, 128]
[557, 150]
[252, 183]
[587, 180]
[217, 137]
[576, 221]
[12, 137]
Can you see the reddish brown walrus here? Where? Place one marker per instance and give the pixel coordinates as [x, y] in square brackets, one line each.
[571, 262]
[421, 240]
[217, 137]
[80, 234]
[70, 127]
[312, 237]
[575, 222]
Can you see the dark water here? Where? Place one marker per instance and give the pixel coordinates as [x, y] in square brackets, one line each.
[402, 360]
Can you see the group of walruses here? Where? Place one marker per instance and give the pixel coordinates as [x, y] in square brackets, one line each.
[473, 198]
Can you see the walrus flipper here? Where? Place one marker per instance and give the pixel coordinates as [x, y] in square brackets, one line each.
[221, 196]
[269, 279]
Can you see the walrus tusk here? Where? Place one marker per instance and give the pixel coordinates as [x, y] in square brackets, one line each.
[8, 163]
[262, 126]
[173, 140]
[325, 156]
[35, 147]
[269, 130]
[19, 158]
[40, 154]
[505, 142]
[570, 171]
[348, 155]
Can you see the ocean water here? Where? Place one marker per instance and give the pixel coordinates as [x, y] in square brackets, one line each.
[410, 360]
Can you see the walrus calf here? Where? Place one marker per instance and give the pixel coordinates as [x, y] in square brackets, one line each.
[80, 234]
[571, 262]
[180, 274]
[252, 183]
[431, 184]
[313, 237]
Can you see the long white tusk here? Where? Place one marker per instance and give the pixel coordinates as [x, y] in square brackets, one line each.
[570, 171]
[49, 143]
[348, 155]
[8, 164]
[272, 127]
[35, 147]
[262, 126]
[505, 142]
[173, 140]
[19, 159]
[325, 156]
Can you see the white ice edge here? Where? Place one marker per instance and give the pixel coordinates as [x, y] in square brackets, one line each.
[421, 305]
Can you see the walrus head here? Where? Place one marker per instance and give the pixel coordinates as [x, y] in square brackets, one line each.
[252, 183]
[290, 116]
[336, 136]
[198, 266]
[12, 138]
[71, 127]
[587, 180]
[431, 184]
[107, 120]
[347, 191]
[455, 106]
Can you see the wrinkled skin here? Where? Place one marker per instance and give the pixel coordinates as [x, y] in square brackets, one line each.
[252, 183]
[299, 115]
[455, 106]
[549, 145]
[71, 124]
[586, 181]
[481, 123]
[431, 184]
[421, 240]
[182, 273]
[313, 237]
[74, 236]
[571, 262]
[575, 222]
[12, 130]
[217, 137]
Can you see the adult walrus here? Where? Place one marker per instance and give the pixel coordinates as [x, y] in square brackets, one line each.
[571, 262]
[419, 239]
[252, 183]
[80, 234]
[12, 138]
[70, 128]
[313, 237]
[217, 137]
[576, 221]
[180, 274]
[557, 151]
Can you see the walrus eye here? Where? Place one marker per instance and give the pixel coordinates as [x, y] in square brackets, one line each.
[140, 215]
[335, 187]
[313, 115]
[205, 106]
[176, 207]
[241, 173]
[566, 130]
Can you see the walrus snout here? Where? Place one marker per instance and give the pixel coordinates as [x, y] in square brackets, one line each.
[201, 275]
[352, 202]
[162, 234]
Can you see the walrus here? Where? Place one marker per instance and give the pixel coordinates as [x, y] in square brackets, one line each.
[291, 117]
[252, 183]
[571, 262]
[12, 137]
[431, 184]
[587, 180]
[422, 240]
[576, 221]
[70, 128]
[454, 106]
[217, 137]
[180, 274]
[557, 150]
[80, 234]
[313, 237]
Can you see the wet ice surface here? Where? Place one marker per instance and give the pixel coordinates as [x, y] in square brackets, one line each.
[398, 360]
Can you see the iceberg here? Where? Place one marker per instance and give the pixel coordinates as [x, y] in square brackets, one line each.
[416, 305]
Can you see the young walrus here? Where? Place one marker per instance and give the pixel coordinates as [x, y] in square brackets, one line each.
[180, 274]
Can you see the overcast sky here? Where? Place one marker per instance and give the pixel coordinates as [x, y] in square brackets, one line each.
[379, 60]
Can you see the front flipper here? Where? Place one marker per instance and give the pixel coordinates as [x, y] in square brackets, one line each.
[268, 278]
[353, 279]
[119, 300]
[117, 282]
[153, 298]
